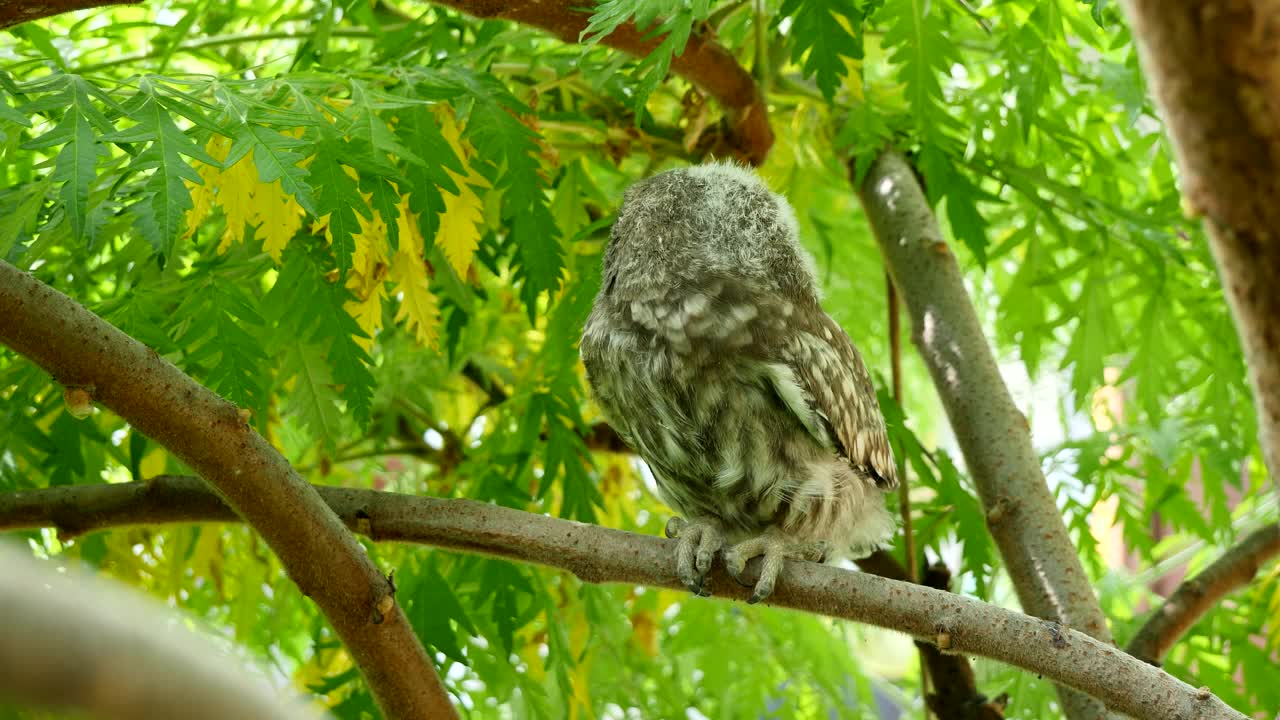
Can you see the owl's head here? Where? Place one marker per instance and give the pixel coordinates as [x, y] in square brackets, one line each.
[715, 219]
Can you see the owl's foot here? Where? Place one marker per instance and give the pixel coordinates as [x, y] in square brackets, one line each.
[775, 547]
[699, 540]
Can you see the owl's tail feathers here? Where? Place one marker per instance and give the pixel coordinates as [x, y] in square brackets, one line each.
[873, 529]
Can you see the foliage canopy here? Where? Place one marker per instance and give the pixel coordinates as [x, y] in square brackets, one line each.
[380, 231]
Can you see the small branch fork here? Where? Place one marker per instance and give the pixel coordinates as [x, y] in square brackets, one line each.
[601, 555]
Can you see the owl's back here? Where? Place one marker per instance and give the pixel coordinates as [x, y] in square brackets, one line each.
[695, 378]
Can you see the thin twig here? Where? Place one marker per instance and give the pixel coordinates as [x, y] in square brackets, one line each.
[1200, 594]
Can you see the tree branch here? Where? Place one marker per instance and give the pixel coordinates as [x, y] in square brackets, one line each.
[993, 434]
[15, 12]
[1215, 72]
[601, 555]
[704, 63]
[1200, 594]
[210, 435]
[76, 641]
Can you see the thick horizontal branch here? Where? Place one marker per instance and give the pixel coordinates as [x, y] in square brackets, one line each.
[1200, 594]
[93, 359]
[601, 555]
[993, 434]
[74, 641]
[704, 63]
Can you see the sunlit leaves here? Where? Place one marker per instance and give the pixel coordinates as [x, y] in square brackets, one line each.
[923, 53]
[825, 35]
[460, 223]
[1093, 339]
[498, 136]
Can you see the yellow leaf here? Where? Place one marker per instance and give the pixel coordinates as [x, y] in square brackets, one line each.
[459, 231]
[235, 196]
[370, 244]
[279, 217]
[367, 314]
[202, 196]
[153, 463]
[411, 240]
[419, 309]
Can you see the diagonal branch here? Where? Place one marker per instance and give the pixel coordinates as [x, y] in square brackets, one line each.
[993, 434]
[83, 352]
[1214, 69]
[1200, 594]
[601, 555]
[704, 63]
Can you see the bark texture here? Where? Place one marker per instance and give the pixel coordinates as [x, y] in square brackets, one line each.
[993, 434]
[601, 555]
[1214, 68]
[83, 352]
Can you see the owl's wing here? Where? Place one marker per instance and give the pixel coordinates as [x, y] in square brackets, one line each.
[824, 382]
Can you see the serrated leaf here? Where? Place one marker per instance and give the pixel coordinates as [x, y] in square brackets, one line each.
[1092, 341]
[311, 396]
[337, 199]
[76, 164]
[459, 231]
[823, 35]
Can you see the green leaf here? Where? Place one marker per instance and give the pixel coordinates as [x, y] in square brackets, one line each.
[923, 53]
[821, 43]
[944, 180]
[312, 397]
[1092, 342]
[435, 612]
[338, 196]
[675, 27]
[161, 212]
[76, 164]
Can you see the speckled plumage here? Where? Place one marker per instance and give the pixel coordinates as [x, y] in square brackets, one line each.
[709, 352]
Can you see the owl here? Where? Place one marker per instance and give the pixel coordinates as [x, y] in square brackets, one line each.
[710, 354]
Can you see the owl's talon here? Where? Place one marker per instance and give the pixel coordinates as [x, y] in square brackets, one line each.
[774, 548]
[696, 546]
[674, 526]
